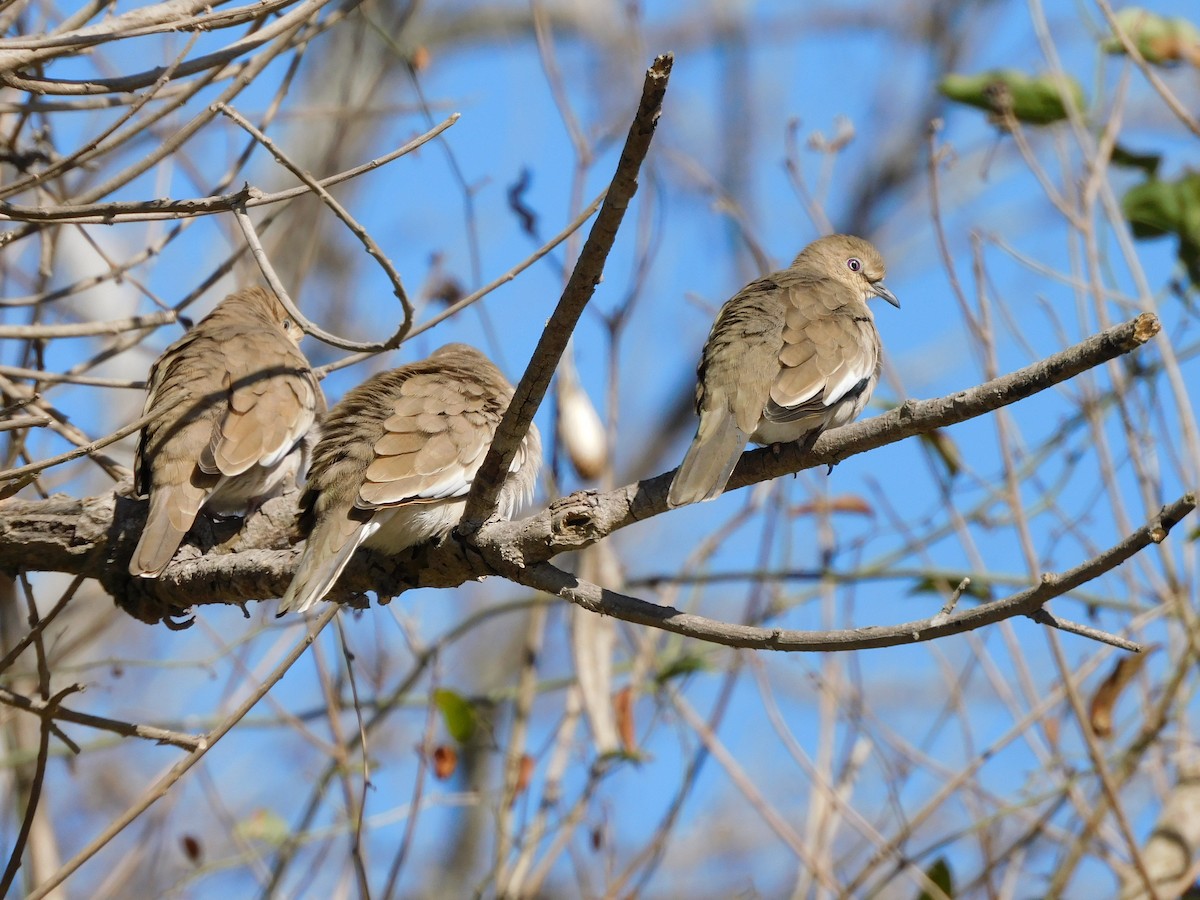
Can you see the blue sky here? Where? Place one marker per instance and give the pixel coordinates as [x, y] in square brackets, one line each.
[414, 208]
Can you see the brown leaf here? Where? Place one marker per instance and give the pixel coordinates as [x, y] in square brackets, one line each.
[623, 705]
[524, 775]
[1052, 729]
[420, 59]
[1101, 710]
[192, 849]
[844, 503]
[516, 202]
[445, 761]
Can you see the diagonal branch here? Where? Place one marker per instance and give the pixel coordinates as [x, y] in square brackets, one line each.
[481, 502]
[223, 563]
[51, 711]
[582, 518]
[546, 577]
[206, 743]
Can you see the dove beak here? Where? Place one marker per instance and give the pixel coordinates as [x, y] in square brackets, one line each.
[881, 290]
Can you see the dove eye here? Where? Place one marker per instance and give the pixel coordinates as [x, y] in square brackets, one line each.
[854, 264]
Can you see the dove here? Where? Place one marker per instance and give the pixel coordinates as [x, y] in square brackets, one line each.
[234, 403]
[789, 356]
[395, 462]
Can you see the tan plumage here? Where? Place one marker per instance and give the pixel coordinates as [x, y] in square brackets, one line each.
[235, 401]
[396, 460]
[789, 356]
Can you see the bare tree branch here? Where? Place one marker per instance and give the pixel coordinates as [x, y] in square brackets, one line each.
[53, 710]
[93, 537]
[209, 740]
[485, 489]
[546, 577]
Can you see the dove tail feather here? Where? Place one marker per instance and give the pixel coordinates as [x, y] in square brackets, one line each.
[159, 540]
[320, 566]
[709, 461]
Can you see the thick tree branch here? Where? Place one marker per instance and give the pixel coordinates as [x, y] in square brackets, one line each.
[580, 519]
[223, 563]
[546, 577]
[580, 286]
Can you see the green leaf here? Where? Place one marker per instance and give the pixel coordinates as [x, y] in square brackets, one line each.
[939, 873]
[1155, 208]
[1152, 208]
[458, 714]
[1037, 100]
[945, 449]
[1147, 162]
[1160, 40]
[1189, 255]
[684, 664]
[978, 588]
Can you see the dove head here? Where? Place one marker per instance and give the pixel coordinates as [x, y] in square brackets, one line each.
[257, 302]
[850, 260]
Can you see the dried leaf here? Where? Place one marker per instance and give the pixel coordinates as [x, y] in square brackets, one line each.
[841, 503]
[524, 775]
[516, 202]
[192, 849]
[445, 761]
[1052, 729]
[623, 706]
[420, 59]
[1100, 713]
[579, 427]
[593, 640]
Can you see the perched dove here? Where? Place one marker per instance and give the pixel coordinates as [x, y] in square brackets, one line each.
[234, 400]
[789, 356]
[396, 460]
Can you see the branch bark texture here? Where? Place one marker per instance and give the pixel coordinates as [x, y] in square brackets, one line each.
[223, 563]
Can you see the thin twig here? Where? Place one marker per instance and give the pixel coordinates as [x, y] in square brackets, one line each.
[68, 378]
[546, 577]
[85, 450]
[473, 297]
[86, 329]
[159, 210]
[372, 248]
[25, 422]
[50, 710]
[268, 271]
[485, 489]
[159, 788]
[1044, 617]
